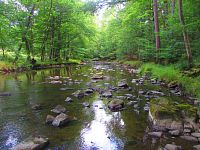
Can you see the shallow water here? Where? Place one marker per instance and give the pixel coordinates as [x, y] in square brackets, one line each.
[96, 127]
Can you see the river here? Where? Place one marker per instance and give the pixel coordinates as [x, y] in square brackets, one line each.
[94, 128]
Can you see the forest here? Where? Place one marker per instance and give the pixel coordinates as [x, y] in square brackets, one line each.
[156, 41]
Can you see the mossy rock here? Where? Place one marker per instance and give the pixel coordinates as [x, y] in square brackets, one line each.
[189, 110]
[163, 108]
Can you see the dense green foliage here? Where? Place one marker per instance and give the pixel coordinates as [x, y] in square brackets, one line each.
[130, 33]
[45, 30]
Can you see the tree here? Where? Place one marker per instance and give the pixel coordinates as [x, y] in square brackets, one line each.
[156, 25]
[185, 33]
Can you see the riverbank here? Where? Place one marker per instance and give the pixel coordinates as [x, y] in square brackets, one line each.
[171, 75]
[7, 67]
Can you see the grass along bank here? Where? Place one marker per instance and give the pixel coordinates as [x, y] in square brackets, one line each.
[190, 85]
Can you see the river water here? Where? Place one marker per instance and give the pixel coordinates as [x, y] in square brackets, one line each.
[95, 128]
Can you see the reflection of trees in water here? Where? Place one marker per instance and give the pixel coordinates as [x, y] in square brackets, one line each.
[31, 76]
[68, 71]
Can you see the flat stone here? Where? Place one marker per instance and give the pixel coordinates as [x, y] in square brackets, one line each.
[60, 120]
[196, 134]
[156, 134]
[189, 138]
[33, 143]
[172, 147]
[55, 82]
[49, 119]
[59, 109]
[174, 132]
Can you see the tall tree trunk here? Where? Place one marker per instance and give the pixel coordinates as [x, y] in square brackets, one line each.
[185, 33]
[51, 56]
[46, 33]
[156, 24]
[173, 6]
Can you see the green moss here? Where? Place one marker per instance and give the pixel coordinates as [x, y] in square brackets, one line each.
[188, 109]
[162, 108]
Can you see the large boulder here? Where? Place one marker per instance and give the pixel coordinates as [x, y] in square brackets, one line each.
[116, 105]
[32, 143]
[60, 120]
[59, 109]
[165, 115]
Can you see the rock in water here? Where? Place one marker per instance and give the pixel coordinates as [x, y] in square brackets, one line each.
[36, 107]
[86, 104]
[88, 91]
[60, 120]
[79, 94]
[107, 94]
[116, 105]
[122, 84]
[59, 109]
[174, 132]
[68, 99]
[49, 119]
[156, 134]
[33, 143]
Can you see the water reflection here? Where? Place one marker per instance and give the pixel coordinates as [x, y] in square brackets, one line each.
[11, 133]
[98, 133]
